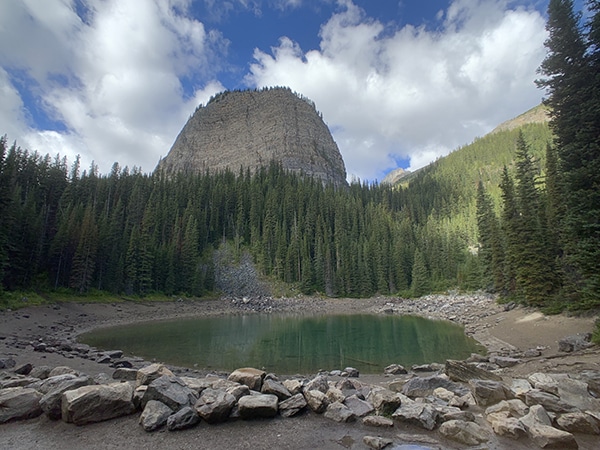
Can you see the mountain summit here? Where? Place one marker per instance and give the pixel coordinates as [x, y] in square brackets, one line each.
[251, 129]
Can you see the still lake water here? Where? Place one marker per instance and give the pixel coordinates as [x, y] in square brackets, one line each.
[287, 344]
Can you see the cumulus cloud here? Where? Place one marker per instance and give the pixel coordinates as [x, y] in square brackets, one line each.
[412, 92]
[111, 76]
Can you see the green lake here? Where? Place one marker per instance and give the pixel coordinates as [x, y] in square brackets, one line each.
[287, 344]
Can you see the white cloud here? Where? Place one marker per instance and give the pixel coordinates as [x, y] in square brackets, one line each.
[113, 80]
[413, 92]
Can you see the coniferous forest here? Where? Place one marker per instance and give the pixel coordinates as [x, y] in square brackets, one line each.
[516, 212]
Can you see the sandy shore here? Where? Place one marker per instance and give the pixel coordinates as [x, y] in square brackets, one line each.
[502, 332]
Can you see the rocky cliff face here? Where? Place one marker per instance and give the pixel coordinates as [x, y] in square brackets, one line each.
[251, 129]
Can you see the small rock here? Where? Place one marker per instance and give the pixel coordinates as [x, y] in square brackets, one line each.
[378, 421]
[376, 442]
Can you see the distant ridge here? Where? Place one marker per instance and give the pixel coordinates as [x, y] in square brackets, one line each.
[537, 114]
[252, 129]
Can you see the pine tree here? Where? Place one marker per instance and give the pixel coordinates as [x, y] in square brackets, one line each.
[420, 280]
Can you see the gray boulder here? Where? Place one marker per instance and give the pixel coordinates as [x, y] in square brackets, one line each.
[384, 401]
[510, 427]
[46, 385]
[155, 415]
[171, 391]
[359, 407]
[317, 401]
[538, 425]
[184, 418]
[258, 406]
[51, 403]
[317, 384]
[253, 378]
[575, 343]
[544, 382]
[549, 401]
[125, 374]
[239, 391]
[214, 406]
[395, 369]
[40, 372]
[378, 421]
[468, 433]
[275, 388]
[339, 413]
[462, 371]
[292, 406]
[293, 386]
[424, 386]
[351, 372]
[420, 414]
[19, 403]
[487, 392]
[578, 422]
[148, 374]
[62, 370]
[97, 403]
[377, 442]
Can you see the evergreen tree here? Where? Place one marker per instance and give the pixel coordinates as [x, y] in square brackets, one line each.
[420, 284]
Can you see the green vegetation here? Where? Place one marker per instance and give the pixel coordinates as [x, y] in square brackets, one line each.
[515, 212]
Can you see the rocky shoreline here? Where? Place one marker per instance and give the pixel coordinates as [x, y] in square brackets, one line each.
[485, 401]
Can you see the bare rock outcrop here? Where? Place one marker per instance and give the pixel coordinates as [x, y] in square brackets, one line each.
[252, 129]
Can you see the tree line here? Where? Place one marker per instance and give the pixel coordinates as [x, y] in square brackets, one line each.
[543, 247]
[132, 233]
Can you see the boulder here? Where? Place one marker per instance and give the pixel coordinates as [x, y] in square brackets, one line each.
[171, 391]
[420, 414]
[544, 382]
[292, 405]
[339, 412]
[40, 372]
[317, 401]
[539, 428]
[239, 391]
[89, 404]
[13, 381]
[335, 395]
[317, 384]
[462, 371]
[575, 343]
[293, 386]
[377, 442]
[23, 369]
[505, 361]
[578, 422]
[258, 406]
[253, 378]
[487, 392]
[198, 384]
[384, 401]
[359, 407]
[148, 374]
[155, 415]
[7, 363]
[62, 370]
[275, 388]
[550, 402]
[508, 427]
[184, 418]
[378, 421]
[424, 386]
[51, 402]
[19, 403]
[443, 394]
[125, 374]
[577, 393]
[214, 406]
[468, 433]
[395, 369]
[519, 387]
[45, 386]
[351, 372]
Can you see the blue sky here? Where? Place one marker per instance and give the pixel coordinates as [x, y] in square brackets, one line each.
[400, 83]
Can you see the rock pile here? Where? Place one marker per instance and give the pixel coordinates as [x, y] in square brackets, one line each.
[462, 400]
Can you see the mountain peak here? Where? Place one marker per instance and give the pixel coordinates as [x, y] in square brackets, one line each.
[251, 129]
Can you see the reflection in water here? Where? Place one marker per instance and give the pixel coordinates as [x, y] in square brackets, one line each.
[290, 344]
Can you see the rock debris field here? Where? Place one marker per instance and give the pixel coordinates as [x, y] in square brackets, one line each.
[541, 393]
